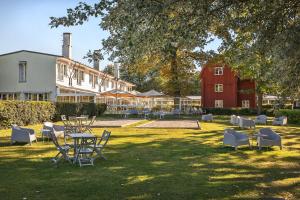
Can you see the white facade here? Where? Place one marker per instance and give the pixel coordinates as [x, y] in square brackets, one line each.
[52, 77]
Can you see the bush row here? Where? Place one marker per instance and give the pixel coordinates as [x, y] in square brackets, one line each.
[32, 112]
[25, 112]
[76, 109]
[238, 111]
[292, 115]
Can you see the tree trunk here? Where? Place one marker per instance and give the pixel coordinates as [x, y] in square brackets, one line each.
[259, 102]
[175, 78]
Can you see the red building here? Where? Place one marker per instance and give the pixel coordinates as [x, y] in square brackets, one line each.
[222, 88]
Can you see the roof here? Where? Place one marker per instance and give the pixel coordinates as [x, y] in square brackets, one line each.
[116, 92]
[194, 97]
[135, 92]
[46, 54]
[152, 93]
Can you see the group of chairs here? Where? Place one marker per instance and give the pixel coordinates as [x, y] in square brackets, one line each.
[85, 149]
[84, 152]
[265, 137]
[260, 119]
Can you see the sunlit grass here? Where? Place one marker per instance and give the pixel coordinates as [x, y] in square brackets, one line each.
[156, 164]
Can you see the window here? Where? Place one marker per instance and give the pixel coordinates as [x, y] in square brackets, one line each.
[218, 103]
[90, 78]
[65, 70]
[37, 96]
[218, 70]
[218, 87]
[60, 72]
[112, 85]
[81, 74]
[22, 71]
[245, 104]
[95, 81]
[9, 96]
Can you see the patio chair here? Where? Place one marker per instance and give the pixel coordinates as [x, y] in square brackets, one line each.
[99, 148]
[161, 114]
[206, 118]
[88, 126]
[246, 123]
[146, 113]
[127, 113]
[48, 127]
[281, 121]
[22, 135]
[201, 111]
[85, 151]
[63, 150]
[267, 137]
[176, 112]
[261, 119]
[234, 120]
[235, 139]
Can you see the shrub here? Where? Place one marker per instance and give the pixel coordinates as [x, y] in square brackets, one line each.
[25, 112]
[231, 111]
[292, 115]
[76, 109]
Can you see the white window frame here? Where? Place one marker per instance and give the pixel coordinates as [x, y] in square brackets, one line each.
[218, 87]
[22, 72]
[65, 69]
[245, 103]
[218, 71]
[219, 103]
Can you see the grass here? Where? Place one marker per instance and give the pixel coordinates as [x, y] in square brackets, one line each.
[156, 164]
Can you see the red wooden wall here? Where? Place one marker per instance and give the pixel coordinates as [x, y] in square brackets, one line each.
[234, 89]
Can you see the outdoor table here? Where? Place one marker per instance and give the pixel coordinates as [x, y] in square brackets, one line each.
[76, 138]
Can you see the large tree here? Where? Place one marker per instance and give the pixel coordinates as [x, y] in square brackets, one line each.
[263, 31]
[177, 31]
[264, 43]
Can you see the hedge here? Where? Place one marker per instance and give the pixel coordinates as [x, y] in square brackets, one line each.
[237, 111]
[25, 112]
[76, 109]
[292, 115]
[33, 112]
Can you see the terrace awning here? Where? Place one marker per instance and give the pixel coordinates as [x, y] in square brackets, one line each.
[152, 93]
[117, 93]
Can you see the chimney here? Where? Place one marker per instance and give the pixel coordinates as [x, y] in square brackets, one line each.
[117, 70]
[96, 59]
[67, 46]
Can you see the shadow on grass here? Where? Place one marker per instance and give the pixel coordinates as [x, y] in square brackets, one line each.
[161, 169]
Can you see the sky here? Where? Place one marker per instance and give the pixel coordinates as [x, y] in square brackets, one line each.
[24, 25]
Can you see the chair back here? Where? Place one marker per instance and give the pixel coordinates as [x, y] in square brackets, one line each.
[233, 119]
[104, 138]
[87, 143]
[54, 140]
[92, 121]
[47, 125]
[63, 117]
[269, 133]
[283, 119]
[230, 131]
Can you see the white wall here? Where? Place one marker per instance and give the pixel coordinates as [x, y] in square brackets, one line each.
[40, 73]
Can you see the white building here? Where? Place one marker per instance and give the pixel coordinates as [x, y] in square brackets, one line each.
[28, 75]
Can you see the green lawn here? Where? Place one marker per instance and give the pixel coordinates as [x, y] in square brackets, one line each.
[156, 164]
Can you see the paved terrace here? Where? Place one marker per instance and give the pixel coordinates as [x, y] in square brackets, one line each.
[114, 123]
[186, 124]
